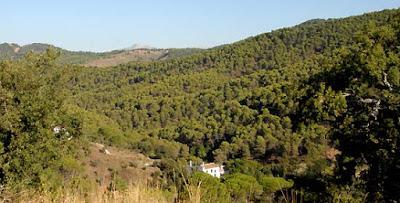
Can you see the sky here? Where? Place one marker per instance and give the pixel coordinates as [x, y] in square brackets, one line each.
[103, 25]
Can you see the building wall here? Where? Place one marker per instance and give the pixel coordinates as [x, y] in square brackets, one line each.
[216, 172]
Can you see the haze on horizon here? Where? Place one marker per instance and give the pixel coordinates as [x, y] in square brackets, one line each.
[108, 25]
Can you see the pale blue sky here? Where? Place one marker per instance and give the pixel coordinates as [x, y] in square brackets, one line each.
[100, 25]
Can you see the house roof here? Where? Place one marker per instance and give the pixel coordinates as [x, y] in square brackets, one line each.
[211, 165]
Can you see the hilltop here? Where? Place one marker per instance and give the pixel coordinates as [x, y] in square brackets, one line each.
[15, 51]
[97, 59]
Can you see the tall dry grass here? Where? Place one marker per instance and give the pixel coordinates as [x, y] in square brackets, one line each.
[193, 191]
[133, 194]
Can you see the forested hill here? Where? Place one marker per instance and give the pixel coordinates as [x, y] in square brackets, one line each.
[94, 59]
[312, 109]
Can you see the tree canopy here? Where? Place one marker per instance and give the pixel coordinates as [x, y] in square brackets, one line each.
[313, 108]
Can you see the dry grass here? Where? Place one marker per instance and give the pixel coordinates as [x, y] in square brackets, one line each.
[134, 194]
[128, 56]
[193, 191]
[131, 166]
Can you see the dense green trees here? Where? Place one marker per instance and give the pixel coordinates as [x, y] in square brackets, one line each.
[279, 99]
[243, 187]
[368, 131]
[313, 108]
[211, 189]
[31, 153]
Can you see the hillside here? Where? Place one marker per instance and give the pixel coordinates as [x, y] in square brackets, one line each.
[112, 58]
[131, 167]
[308, 113]
[126, 56]
[15, 51]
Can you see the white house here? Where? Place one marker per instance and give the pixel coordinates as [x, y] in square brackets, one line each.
[213, 169]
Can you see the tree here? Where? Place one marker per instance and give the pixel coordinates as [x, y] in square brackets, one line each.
[368, 133]
[212, 190]
[260, 146]
[31, 106]
[272, 184]
[243, 187]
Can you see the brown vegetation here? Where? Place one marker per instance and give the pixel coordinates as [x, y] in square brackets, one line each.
[132, 167]
[134, 194]
[128, 56]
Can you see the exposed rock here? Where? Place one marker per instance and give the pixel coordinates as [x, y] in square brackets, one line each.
[107, 152]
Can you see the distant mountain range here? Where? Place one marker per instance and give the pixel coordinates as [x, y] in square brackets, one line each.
[137, 52]
[14, 51]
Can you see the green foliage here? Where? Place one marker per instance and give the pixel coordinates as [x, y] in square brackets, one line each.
[369, 129]
[248, 167]
[243, 187]
[273, 184]
[117, 183]
[31, 153]
[212, 190]
[317, 103]
[14, 52]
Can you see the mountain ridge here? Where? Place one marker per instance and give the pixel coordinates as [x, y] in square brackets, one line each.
[136, 52]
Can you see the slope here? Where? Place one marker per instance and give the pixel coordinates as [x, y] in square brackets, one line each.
[111, 58]
[251, 100]
[315, 106]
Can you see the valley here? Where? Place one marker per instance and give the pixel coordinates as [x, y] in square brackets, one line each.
[308, 113]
